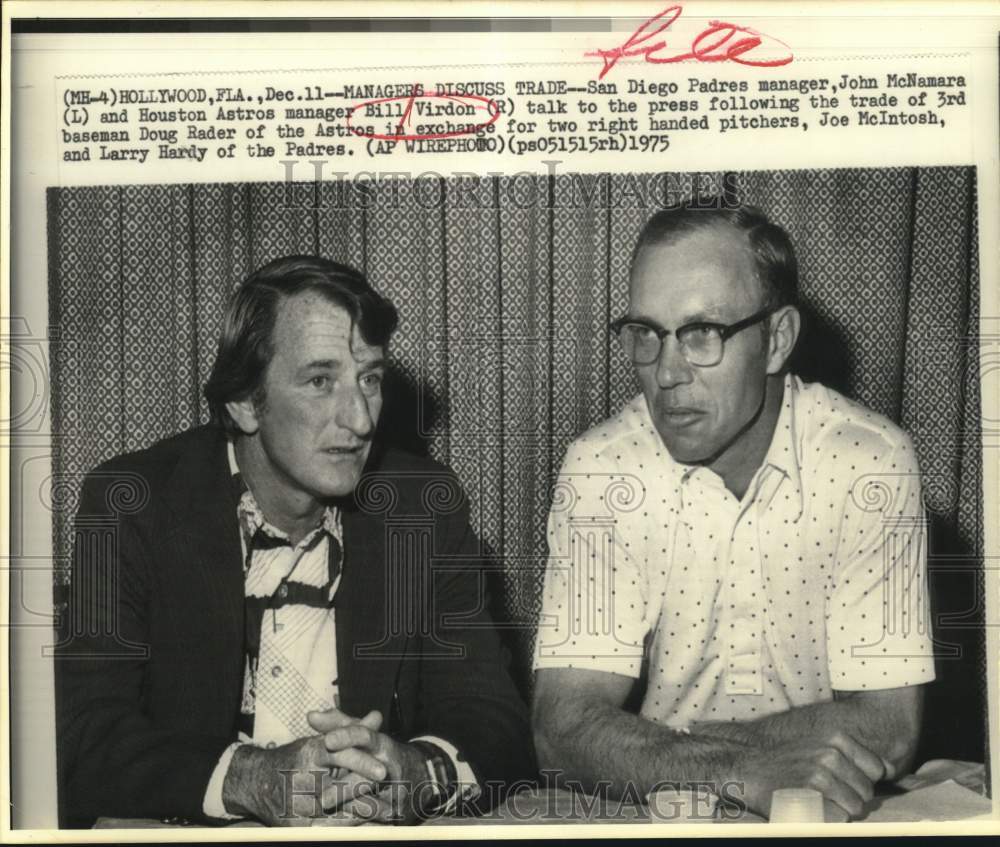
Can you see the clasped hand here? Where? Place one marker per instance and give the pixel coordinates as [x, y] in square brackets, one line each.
[347, 774]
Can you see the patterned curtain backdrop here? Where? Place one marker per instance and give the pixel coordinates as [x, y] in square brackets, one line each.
[506, 287]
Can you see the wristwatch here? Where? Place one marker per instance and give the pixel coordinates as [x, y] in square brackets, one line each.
[441, 776]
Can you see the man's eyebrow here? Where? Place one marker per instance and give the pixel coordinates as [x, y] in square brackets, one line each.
[337, 364]
[643, 319]
[710, 316]
[322, 364]
[374, 364]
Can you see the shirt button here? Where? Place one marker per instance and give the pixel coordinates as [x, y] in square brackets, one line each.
[283, 591]
[271, 745]
[276, 671]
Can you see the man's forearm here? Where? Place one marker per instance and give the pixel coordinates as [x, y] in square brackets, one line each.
[888, 733]
[606, 744]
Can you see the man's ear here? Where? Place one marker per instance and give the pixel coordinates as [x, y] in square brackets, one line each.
[785, 325]
[244, 413]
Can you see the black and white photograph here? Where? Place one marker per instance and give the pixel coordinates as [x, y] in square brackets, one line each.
[532, 494]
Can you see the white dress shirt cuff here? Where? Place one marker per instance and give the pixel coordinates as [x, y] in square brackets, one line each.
[468, 787]
[213, 805]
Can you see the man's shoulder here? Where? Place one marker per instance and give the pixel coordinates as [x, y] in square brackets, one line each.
[168, 471]
[831, 424]
[161, 457]
[620, 442]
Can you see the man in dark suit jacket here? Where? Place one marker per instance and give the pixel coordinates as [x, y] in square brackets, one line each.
[271, 617]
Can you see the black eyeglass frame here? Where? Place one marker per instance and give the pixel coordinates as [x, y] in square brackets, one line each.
[726, 331]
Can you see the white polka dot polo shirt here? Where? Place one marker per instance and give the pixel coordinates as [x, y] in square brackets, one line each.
[815, 581]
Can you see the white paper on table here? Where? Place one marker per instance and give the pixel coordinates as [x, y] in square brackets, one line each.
[946, 801]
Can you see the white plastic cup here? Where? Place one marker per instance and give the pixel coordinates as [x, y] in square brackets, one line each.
[796, 805]
[669, 805]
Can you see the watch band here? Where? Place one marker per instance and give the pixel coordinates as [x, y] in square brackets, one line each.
[440, 774]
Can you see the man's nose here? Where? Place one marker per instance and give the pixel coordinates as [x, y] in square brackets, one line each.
[352, 413]
[672, 368]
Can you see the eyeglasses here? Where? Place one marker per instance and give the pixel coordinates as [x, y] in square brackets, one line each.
[701, 343]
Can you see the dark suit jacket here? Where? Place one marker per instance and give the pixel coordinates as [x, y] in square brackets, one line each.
[150, 661]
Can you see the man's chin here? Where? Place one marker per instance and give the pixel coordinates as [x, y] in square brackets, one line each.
[688, 458]
[683, 450]
[339, 485]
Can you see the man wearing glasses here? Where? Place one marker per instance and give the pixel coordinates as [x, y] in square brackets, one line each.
[744, 551]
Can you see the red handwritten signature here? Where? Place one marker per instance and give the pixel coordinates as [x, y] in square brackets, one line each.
[719, 42]
[469, 103]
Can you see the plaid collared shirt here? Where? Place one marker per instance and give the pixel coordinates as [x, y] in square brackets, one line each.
[291, 657]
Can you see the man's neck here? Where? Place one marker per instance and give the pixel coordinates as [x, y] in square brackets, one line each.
[294, 513]
[738, 464]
